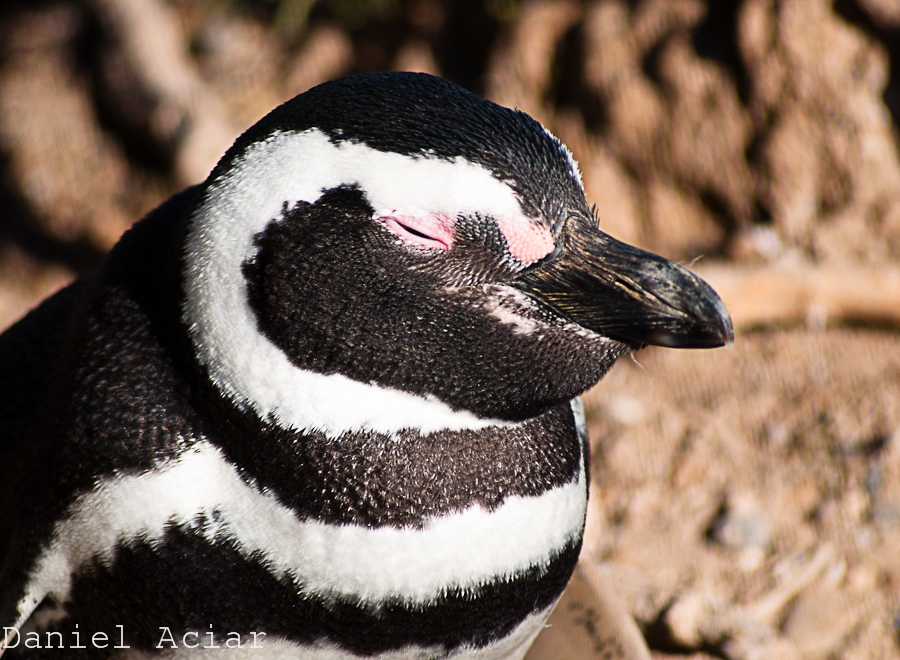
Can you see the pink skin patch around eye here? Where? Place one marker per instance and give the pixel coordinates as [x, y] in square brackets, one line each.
[527, 241]
[434, 232]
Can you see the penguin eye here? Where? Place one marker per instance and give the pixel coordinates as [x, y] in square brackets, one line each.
[430, 232]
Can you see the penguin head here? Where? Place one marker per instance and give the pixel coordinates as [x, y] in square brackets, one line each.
[395, 233]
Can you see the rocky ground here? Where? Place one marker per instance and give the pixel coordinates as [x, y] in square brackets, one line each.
[754, 494]
[746, 502]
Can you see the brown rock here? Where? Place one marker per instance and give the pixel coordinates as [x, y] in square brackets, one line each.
[743, 524]
[680, 226]
[589, 623]
[884, 12]
[72, 176]
[416, 55]
[242, 63]
[520, 70]
[826, 149]
[820, 622]
[709, 131]
[326, 53]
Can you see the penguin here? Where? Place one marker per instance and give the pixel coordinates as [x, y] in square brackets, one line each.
[324, 405]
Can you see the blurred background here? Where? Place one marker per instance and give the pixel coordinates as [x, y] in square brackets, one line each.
[746, 502]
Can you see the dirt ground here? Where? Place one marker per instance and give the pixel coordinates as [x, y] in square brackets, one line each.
[746, 502]
[722, 476]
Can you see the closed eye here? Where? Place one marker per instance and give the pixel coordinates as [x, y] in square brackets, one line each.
[415, 232]
[429, 232]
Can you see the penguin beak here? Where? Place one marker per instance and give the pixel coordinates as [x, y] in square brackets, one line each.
[627, 294]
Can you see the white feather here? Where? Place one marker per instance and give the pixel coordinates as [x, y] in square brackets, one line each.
[573, 164]
[288, 168]
[458, 550]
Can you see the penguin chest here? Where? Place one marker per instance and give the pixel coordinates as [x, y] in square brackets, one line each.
[387, 550]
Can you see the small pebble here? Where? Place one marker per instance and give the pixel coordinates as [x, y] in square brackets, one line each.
[820, 622]
[742, 524]
[626, 410]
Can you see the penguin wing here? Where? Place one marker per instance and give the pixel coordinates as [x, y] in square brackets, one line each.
[88, 388]
[35, 367]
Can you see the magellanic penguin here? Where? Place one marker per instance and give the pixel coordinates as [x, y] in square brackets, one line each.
[323, 406]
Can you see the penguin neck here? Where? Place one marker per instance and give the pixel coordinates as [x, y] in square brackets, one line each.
[401, 479]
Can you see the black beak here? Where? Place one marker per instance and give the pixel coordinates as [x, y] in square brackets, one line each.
[626, 294]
